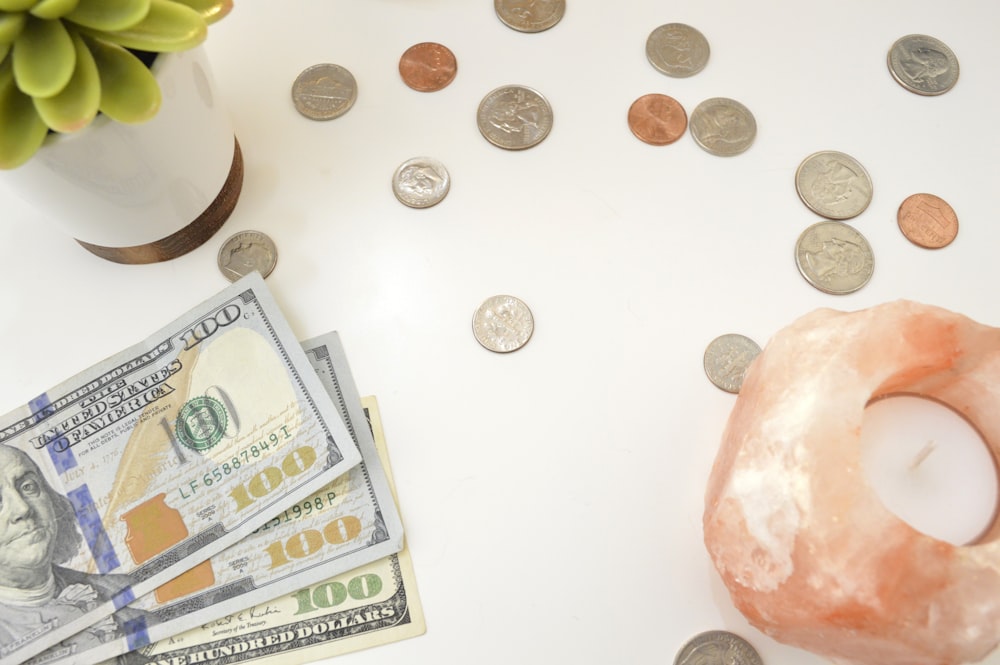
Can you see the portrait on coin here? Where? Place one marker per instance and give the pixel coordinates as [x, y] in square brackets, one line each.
[38, 532]
[516, 115]
[420, 180]
[835, 182]
[720, 124]
[924, 66]
[527, 10]
[245, 257]
[835, 258]
[675, 46]
[712, 653]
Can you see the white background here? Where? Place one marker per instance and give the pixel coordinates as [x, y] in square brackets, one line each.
[552, 497]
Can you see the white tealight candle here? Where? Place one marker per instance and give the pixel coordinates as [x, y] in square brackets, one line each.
[930, 467]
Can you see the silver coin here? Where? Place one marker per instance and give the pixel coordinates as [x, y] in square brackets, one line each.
[421, 182]
[530, 15]
[503, 324]
[727, 358]
[246, 251]
[514, 117]
[723, 126]
[833, 185]
[324, 91]
[834, 257]
[923, 65]
[677, 50]
[717, 647]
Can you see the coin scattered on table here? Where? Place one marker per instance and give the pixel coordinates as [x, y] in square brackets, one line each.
[717, 647]
[723, 126]
[833, 185]
[533, 16]
[514, 117]
[727, 358]
[324, 91]
[923, 65]
[428, 66]
[834, 257]
[677, 50]
[246, 251]
[657, 119]
[927, 220]
[503, 324]
[421, 182]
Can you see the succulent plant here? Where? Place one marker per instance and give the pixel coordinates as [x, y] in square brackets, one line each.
[64, 61]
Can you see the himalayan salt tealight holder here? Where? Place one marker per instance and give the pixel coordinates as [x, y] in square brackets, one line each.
[809, 553]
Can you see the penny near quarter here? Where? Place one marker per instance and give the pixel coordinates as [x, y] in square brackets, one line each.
[927, 220]
[324, 91]
[503, 324]
[657, 119]
[246, 251]
[428, 66]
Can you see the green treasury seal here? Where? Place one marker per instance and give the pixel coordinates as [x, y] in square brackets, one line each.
[201, 423]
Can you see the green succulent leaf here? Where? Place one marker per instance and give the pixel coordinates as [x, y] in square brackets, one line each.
[210, 10]
[21, 130]
[74, 106]
[169, 26]
[53, 8]
[4, 50]
[11, 26]
[16, 5]
[43, 58]
[108, 15]
[129, 92]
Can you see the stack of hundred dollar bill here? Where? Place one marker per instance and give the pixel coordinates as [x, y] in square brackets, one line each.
[218, 492]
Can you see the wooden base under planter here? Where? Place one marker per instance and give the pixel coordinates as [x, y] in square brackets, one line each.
[191, 236]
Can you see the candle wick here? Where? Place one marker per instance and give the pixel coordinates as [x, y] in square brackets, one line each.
[924, 453]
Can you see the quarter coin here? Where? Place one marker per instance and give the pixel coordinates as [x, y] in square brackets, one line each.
[834, 257]
[503, 324]
[833, 185]
[421, 182]
[927, 220]
[533, 16]
[677, 50]
[514, 117]
[723, 126]
[246, 251]
[428, 66]
[727, 358]
[657, 119]
[717, 647]
[324, 91]
[923, 65]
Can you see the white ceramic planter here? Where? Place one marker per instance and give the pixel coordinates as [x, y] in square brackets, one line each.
[144, 192]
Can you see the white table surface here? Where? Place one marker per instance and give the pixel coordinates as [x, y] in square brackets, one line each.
[552, 497]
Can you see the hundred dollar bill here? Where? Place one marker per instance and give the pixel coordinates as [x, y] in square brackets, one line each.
[137, 470]
[368, 606]
[348, 523]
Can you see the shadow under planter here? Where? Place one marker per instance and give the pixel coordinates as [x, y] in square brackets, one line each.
[146, 192]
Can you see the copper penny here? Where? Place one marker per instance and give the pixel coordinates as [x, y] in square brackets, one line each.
[927, 220]
[428, 66]
[657, 119]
